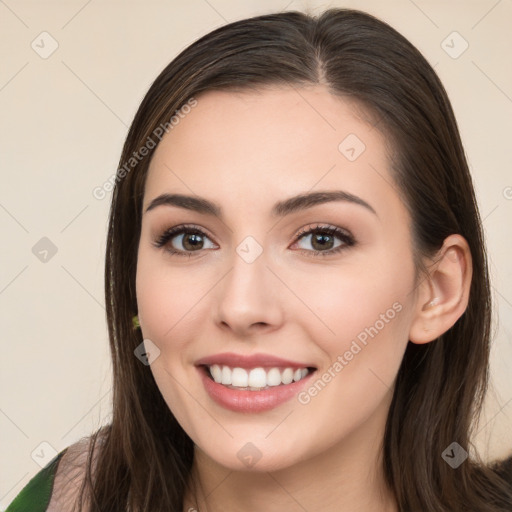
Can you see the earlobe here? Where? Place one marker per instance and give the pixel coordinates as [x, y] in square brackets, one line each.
[444, 293]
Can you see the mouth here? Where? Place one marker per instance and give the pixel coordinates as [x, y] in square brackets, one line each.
[253, 383]
[255, 379]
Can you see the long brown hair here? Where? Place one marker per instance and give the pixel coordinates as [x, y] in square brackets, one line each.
[144, 457]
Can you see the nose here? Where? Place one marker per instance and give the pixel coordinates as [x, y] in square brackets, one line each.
[248, 298]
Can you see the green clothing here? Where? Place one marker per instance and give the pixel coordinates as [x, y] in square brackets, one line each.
[35, 496]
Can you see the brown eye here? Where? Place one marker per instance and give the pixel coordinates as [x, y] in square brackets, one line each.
[325, 240]
[322, 241]
[191, 241]
[184, 240]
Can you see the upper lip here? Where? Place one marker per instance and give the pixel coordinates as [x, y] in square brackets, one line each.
[250, 361]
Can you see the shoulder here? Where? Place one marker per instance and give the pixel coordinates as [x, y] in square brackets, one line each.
[71, 476]
[35, 496]
[58, 486]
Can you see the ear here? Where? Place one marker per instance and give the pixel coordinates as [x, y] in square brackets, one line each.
[443, 294]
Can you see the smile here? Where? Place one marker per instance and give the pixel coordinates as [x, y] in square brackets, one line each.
[255, 379]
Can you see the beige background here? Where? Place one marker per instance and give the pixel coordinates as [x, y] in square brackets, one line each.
[64, 119]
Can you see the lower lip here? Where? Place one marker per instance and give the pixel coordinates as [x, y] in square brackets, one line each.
[251, 401]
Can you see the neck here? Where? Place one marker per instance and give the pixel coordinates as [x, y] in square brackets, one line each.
[348, 477]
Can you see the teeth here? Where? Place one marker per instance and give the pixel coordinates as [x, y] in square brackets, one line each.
[274, 377]
[239, 378]
[287, 376]
[216, 373]
[257, 378]
[226, 375]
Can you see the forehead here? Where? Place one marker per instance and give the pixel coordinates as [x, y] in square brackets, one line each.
[254, 146]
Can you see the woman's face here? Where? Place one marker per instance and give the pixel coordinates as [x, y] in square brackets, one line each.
[324, 283]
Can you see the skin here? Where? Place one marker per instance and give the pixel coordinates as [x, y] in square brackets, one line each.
[246, 151]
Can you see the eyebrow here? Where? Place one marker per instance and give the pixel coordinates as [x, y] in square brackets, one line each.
[280, 209]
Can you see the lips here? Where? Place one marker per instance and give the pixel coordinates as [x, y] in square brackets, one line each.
[252, 361]
[224, 377]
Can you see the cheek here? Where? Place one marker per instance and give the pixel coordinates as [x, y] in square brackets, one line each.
[363, 335]
[352, 300]
[168, 299]
[170, 308]
[362, 325]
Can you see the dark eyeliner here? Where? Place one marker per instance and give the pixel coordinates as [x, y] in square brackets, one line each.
[170, 233]
[347, 239]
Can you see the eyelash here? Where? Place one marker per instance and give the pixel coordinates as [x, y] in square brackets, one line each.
[346, 238]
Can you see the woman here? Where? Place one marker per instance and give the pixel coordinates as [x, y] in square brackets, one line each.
[295, 229]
